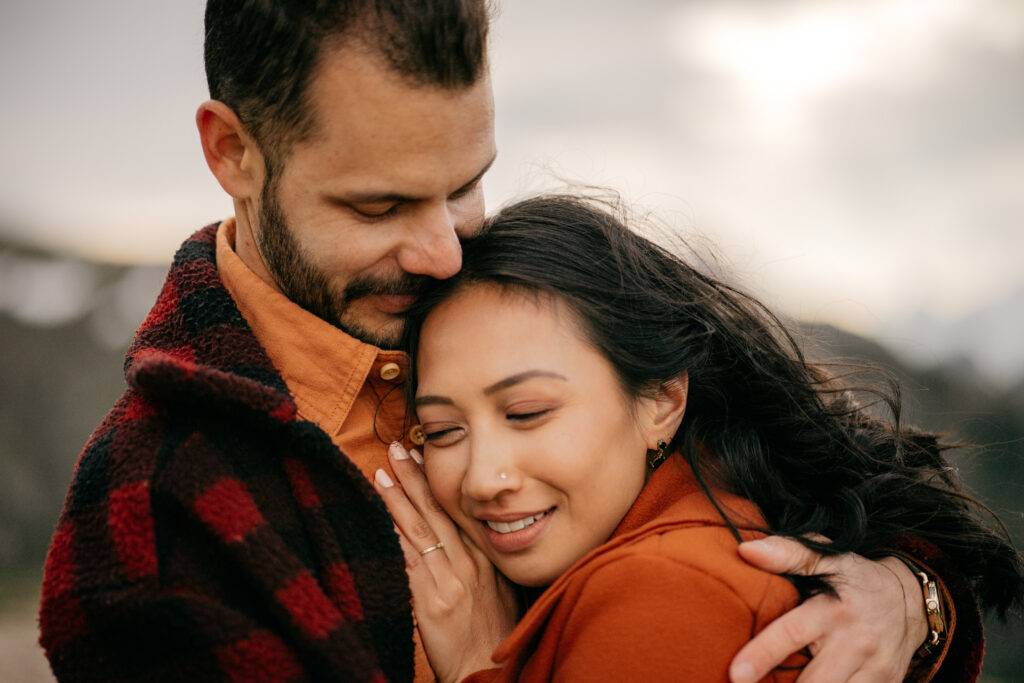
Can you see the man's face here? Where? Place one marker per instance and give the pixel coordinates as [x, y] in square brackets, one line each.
[362, 214]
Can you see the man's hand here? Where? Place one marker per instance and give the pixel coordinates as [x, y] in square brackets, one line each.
[869, 634]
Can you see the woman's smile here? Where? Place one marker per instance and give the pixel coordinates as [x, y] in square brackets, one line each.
[517, 535]
[533, 447]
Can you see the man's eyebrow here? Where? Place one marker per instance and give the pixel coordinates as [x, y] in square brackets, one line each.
[372, 198]
[391, 197]
[430, 400]
[475, 179]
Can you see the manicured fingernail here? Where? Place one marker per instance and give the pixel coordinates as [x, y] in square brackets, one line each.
[416, 456]
[762, 546]
[743, 672]
[382, 478]
[397, 452]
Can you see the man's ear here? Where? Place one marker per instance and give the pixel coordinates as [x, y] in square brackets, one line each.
[231, 153]
[668, 408]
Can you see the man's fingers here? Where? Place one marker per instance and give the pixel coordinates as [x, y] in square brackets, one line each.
[863, 636]
[781, 555]
[825, 671]
[789, 633]
[848, 663]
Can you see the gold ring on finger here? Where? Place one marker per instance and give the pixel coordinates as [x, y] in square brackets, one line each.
[432, 548]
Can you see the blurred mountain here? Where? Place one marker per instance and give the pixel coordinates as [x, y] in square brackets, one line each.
[956, 399]
[64, 327]
[51, 291]
[65, 324]
[992, 337]
[56, 384]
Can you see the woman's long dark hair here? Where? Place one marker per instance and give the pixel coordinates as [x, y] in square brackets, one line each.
[760, 420]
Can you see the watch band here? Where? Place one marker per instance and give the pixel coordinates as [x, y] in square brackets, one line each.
[932, 606]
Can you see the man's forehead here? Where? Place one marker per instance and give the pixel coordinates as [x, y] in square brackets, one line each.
[378, 134]
[361, 82]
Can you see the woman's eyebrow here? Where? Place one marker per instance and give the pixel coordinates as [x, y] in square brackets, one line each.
[522, 377]
[433, 401]
[430, 400]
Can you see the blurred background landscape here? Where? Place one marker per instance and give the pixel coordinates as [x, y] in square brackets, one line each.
[860, 166]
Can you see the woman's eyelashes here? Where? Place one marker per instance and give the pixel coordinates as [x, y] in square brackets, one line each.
[523, 412]
[527, 416]
[441, 435]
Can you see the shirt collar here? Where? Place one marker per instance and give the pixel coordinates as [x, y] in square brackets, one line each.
[323, 366]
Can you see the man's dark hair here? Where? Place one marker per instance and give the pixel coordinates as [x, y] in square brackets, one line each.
[261, 55]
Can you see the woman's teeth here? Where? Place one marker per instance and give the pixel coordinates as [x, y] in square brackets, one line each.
[519, 524]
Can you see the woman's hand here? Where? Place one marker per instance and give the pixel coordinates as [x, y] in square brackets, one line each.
[869, 634]
[464, 607]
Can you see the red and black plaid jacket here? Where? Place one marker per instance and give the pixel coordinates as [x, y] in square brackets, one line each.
[209, 534]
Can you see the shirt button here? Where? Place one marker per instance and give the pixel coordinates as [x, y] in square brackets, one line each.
[416, 435]
[390, 371]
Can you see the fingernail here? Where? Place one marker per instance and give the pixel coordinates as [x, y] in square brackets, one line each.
[397, 452]
[743, 672]
[416, 456]
[382, 478]
[762, 546]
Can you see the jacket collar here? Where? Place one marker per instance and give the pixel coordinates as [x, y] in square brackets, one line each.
[326, 369]
[195, 347]
[672, 498]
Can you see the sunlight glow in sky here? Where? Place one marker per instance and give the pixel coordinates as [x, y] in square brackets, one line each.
[783, 59]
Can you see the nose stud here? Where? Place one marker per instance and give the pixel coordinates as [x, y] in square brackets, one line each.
[502, 476]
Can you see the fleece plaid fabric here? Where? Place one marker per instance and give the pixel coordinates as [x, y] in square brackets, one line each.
[211, 535]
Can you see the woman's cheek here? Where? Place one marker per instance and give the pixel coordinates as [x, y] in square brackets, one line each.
[443, 485]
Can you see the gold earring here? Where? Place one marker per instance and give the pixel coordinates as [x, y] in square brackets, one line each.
[657, 457]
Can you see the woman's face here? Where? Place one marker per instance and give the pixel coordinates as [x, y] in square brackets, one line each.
[533, 448]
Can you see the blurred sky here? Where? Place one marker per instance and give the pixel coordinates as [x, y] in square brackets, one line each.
[858, 162]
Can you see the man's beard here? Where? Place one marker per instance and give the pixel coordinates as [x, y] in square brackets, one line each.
[304, 284]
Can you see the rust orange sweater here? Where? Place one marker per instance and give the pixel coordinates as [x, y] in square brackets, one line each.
[667, 598]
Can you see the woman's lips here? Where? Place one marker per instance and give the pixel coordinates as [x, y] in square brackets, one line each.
[518, 534]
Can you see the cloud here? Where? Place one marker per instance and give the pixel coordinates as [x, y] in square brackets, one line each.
[858, 160]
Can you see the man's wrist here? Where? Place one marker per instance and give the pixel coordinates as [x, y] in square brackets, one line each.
[926, 593]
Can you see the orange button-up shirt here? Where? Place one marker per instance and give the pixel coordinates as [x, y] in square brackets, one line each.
[350, 389]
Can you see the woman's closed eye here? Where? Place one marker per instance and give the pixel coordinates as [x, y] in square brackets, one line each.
[441, 435]
[527, 416]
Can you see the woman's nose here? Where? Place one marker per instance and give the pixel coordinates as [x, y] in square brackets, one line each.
[489, 475]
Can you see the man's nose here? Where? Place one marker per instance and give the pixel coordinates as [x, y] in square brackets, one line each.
[432, 247]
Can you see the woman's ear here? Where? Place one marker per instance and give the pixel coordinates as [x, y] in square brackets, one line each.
[668, 407]
[231, 153]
